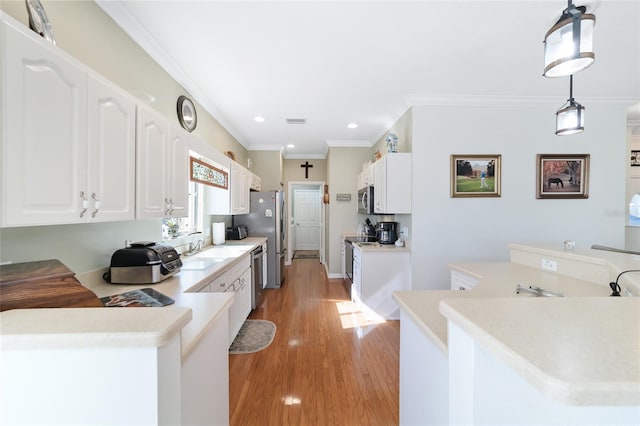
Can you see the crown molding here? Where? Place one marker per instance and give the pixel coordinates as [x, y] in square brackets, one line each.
[305, 157]
[349, 143]
[123, 18]
[255, 147]
[511, 101]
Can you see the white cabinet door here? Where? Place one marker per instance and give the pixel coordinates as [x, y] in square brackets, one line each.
[152, 141]
[462, 281]
[380, 186]
[111, 154]
[162, 167]
[240, 182]
[235, 199]
[392, 184]
[178, 172]
[241, 307]
[256, 182]
[383, 271]
[356, 287]
[45, 131]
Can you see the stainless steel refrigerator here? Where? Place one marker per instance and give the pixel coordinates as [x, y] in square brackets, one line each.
[268, 218]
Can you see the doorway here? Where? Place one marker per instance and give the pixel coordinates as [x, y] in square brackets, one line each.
[306, 224]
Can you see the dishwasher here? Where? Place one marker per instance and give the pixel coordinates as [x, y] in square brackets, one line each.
[257, 277]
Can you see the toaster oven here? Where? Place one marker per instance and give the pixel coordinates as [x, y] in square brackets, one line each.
[143, 262]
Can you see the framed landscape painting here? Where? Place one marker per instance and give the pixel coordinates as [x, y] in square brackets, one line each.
[475, 175]
[562, 176]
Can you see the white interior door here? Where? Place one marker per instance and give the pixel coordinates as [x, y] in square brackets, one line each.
[307, 219]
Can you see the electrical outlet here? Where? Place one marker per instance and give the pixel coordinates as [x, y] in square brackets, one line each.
[404, 232]
[549, 265]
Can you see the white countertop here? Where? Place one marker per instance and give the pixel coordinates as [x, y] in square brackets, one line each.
[579, 351]
[495, 280]
[582, 349]
[193, 312]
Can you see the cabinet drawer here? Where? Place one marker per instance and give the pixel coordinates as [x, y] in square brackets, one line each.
[220, 284]
[236, 270]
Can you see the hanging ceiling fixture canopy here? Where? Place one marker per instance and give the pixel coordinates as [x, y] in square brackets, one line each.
[570, 117]
[568, 45]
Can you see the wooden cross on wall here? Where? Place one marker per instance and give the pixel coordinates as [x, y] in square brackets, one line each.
[306, 166]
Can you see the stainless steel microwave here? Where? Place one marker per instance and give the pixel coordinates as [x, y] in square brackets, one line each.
[365, 200]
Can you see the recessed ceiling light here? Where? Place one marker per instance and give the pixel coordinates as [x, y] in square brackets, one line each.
[352, 125]
[259, 119]
[291, 145]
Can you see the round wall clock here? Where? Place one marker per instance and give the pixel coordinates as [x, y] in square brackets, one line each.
[187, 113]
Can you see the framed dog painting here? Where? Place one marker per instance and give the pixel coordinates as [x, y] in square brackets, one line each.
[562, 176]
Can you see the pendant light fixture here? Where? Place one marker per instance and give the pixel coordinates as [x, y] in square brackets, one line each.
[568, 45]
[570, 117]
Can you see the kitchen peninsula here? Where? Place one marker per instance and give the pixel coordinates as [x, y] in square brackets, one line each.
[491, 356]
[164, 365]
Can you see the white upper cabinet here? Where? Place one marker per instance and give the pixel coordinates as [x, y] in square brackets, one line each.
[177, 168]
[240, 182]
[68, 145]
[112, 148]
[161, 161]
[392, 184]
[235, 199]
[256, 182]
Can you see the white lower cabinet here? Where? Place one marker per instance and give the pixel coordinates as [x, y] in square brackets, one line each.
[424, 377]
[205, 378]
[240, 278]
[462, 281]
[235, 279]
[377, 273]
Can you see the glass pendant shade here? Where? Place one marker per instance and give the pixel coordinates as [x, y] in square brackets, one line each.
[568, 45]
[570, 118]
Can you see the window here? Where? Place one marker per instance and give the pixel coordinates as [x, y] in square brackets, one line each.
[177, 227]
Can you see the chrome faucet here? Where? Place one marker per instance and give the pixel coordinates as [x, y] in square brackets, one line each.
[537, 291]
[195, 246]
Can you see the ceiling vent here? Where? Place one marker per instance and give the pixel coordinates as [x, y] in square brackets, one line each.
[296, 121]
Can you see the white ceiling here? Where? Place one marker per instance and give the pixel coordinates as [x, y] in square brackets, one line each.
[336, 62]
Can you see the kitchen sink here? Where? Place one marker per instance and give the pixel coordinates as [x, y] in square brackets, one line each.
[195, 264]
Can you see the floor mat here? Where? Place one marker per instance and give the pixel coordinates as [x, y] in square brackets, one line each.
[254, 336]
[306, 254]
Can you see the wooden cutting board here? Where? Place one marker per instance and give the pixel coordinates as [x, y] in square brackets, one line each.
[43, 284]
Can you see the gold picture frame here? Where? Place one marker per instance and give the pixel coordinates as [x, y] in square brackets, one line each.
[476, 175]
[562, 176]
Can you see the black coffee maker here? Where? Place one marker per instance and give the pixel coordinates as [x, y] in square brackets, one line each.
[387, 232]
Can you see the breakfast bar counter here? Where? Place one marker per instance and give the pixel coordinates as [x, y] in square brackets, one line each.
[491, 356]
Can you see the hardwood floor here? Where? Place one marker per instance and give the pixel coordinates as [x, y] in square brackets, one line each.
[327, 364]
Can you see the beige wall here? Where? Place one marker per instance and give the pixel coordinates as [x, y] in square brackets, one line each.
[403, 129]
[268, 165]
[343, 166]
[294, 173]
[84, 31]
